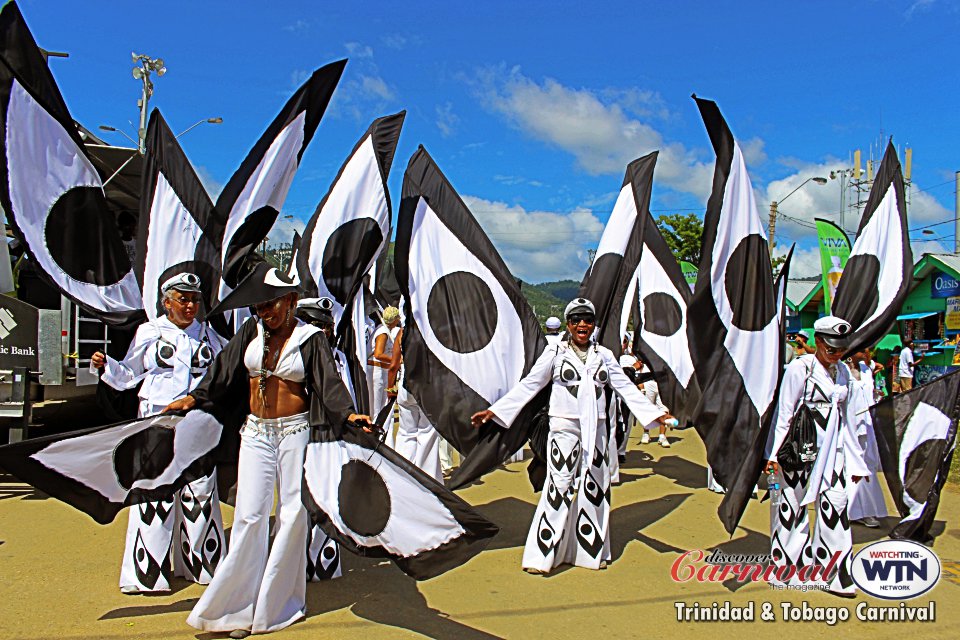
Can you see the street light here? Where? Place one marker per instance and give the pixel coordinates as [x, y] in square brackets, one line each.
[772, 226]
[104, 127]
[217, 120]
[145, 66]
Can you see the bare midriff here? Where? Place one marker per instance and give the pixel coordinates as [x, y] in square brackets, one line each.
[283, 398]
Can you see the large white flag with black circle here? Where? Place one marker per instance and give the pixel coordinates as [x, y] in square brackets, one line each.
[177, 222]
[250, 202]
[611, 275]
[916, 436]
[101, 470]
[470, 335]
[879, 271]
[732, 324]
[660, 295]
[374, 502]
[51, 192]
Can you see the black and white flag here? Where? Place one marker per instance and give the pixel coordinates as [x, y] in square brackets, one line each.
[49, 188]
[376, 503]
[252, 199]
[100, 471]
[916, 435]
[470, 335]
[879, 272]
[351, 226]
[346, 235]
[660, 334]
[733, 325]
[177, 222]
[612, 273]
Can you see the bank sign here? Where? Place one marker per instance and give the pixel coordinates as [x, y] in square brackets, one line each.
[943, 285]
[18, 334]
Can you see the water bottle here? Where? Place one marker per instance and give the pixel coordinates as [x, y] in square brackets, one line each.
[775, 488]
[673, 423]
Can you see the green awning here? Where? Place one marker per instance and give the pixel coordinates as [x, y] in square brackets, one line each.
[890, 341]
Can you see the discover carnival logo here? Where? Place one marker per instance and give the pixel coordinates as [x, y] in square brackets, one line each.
[896, 569]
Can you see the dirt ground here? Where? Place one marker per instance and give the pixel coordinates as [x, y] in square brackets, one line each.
[59, 570]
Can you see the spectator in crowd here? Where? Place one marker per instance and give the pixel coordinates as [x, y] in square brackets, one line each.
[907, 364]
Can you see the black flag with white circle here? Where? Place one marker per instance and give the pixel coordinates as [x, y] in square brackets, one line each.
[177, 222]
[916, 436]
[733, 326]
[660, 323]
[375, 502]
[470, 335]
[50, 189]
[609, 278]
[99, 471]
[879, 272]
[253, 197]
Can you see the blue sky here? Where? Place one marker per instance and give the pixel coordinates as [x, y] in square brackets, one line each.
[533, 109]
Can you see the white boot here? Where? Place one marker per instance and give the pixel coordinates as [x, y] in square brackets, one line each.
[646, 438]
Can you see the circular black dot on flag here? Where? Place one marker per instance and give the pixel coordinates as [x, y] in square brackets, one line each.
[922, 468]
[143, 456]
[462, 312]
[858, 293]
[661, 314]
[347, 255]
[83, 239]
[748, 281]
[363, 498]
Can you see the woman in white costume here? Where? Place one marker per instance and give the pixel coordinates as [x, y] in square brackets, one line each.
[571, 522]
[169, 355]
[278, 370]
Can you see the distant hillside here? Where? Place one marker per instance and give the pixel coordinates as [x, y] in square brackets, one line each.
[549, 298]
[565, 290]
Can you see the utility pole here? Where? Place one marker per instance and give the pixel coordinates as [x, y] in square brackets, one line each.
[771, 226]
[956, 213]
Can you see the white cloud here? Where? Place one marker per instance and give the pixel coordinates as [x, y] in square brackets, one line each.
[358, 50]
[211, 184]
[377, 87]
[447, 120]
[538, 246]
[283, 229]
[297, 26]
[604, 130]
[396, 42]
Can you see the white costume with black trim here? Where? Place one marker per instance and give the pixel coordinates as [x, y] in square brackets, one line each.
[170, 362]
[417, 440]
[379, 374]
[571, 522]
[868, 497]
[262, 587]
[828, 483]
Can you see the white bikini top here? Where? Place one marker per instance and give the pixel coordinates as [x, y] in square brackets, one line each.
[290, 363]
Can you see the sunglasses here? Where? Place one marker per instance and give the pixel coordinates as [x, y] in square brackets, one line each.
[185, 300]
[577, 318]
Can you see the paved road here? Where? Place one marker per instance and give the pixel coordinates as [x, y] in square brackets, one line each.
[58, 573]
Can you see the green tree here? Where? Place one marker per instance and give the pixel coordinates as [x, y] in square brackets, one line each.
[683, 235]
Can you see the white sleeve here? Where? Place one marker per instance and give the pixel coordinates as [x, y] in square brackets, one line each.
[509, 406]
[853, 455]
[642, 409]
[127, 373]
[794, 379]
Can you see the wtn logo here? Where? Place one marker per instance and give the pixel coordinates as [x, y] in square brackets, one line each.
[896, 569]
[901, 569]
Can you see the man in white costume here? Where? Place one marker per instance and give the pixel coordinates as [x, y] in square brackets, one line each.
[822, 382]
[169, 355]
